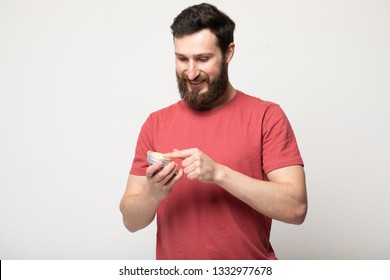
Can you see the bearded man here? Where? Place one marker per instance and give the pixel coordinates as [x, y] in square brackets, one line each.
[235, 163]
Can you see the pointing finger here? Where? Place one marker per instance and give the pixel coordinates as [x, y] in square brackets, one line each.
[180, 153]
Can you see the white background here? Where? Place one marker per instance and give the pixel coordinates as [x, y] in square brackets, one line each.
[78, 78]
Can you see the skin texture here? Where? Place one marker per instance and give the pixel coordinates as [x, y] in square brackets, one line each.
[283, 197]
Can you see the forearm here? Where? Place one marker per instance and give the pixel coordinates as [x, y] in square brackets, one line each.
[282, 201]
[144, 194]
[138, 210]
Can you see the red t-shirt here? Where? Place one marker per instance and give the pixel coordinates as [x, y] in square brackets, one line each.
[203, 221]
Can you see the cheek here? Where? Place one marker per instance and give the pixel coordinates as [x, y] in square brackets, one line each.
[212, 72]
[213, 69]
[180, 68]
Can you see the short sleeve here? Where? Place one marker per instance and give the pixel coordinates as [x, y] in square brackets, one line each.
[144, 144]
[279, 145]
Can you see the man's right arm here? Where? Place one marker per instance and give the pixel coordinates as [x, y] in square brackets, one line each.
[144, 194]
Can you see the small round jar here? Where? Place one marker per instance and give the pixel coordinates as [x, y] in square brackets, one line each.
[154, 157]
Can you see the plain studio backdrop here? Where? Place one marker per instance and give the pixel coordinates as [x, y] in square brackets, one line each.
[79, 77]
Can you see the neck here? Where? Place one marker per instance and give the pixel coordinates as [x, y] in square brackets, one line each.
[225, 98]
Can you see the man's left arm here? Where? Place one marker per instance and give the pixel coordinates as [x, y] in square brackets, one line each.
[283, 197]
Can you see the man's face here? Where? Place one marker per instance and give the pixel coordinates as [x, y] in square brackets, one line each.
[200, 69]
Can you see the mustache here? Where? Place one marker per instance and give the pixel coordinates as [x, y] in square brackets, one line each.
[201, 77]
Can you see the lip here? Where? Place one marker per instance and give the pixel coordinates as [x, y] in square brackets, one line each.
[196, 84]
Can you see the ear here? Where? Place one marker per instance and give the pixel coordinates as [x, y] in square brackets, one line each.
[229, 53]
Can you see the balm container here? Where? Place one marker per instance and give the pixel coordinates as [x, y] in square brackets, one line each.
[154, 157]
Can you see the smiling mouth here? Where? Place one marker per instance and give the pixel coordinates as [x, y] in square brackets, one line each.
[195, 84]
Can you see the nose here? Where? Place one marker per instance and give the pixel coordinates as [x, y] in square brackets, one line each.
[192, 70]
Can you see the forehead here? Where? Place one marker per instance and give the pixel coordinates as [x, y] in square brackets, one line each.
[200, 42]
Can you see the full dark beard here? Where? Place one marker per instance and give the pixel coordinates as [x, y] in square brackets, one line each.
[203, 101]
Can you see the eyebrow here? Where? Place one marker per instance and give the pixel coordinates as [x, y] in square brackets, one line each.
[208, 54]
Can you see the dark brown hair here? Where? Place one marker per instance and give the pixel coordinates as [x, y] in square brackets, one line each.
[205, 16]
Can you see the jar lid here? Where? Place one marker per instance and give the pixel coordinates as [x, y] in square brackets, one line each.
[154, 157]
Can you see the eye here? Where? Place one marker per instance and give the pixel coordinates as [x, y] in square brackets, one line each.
[203, 59]
[182, 58]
